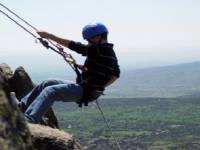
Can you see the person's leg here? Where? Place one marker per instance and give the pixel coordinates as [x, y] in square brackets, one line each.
[62, 92]
[28, 99]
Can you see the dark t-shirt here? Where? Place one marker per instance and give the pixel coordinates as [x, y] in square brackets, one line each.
[101, 63]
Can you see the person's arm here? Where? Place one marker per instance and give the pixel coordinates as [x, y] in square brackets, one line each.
[112, 80]
[61, 41]
[75, 46]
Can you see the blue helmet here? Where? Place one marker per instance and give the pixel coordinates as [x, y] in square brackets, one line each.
[92, 30]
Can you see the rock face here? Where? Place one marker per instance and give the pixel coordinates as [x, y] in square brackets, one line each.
[46, 138]
[21, 84]
[15, 132]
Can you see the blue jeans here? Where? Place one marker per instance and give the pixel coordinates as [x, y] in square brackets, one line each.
[42, 97]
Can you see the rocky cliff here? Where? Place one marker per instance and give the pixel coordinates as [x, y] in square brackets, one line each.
[15, 132]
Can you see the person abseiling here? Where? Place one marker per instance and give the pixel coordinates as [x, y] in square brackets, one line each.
[99, 71]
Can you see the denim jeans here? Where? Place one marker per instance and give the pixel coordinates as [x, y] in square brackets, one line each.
[42, 97]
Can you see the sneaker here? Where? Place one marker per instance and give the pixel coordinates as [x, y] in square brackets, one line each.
[14, 99]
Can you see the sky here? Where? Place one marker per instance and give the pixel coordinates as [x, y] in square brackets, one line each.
[145, 33]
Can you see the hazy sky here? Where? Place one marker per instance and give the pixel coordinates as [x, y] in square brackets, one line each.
[145, 32]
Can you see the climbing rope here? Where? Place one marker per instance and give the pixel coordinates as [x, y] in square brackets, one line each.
[108, 125]
[18, 24]
[55, 47]
[27, 23]
[18, 17]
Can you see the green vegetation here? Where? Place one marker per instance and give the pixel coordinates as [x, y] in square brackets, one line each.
[155, 122]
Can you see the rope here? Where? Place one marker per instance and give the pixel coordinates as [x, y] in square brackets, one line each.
[108, 125]
[18, 17]
[67, 57]
[34, 28]
[25, 29]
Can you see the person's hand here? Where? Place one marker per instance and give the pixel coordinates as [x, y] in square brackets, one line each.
[44, 34]
[52, 37]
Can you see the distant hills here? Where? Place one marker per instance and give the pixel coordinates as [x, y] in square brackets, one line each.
[180, 80]
[168, 81]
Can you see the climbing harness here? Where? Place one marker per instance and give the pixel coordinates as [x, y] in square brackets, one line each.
[60, 50]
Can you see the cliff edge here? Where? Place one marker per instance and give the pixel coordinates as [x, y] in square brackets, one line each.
[15, 132]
